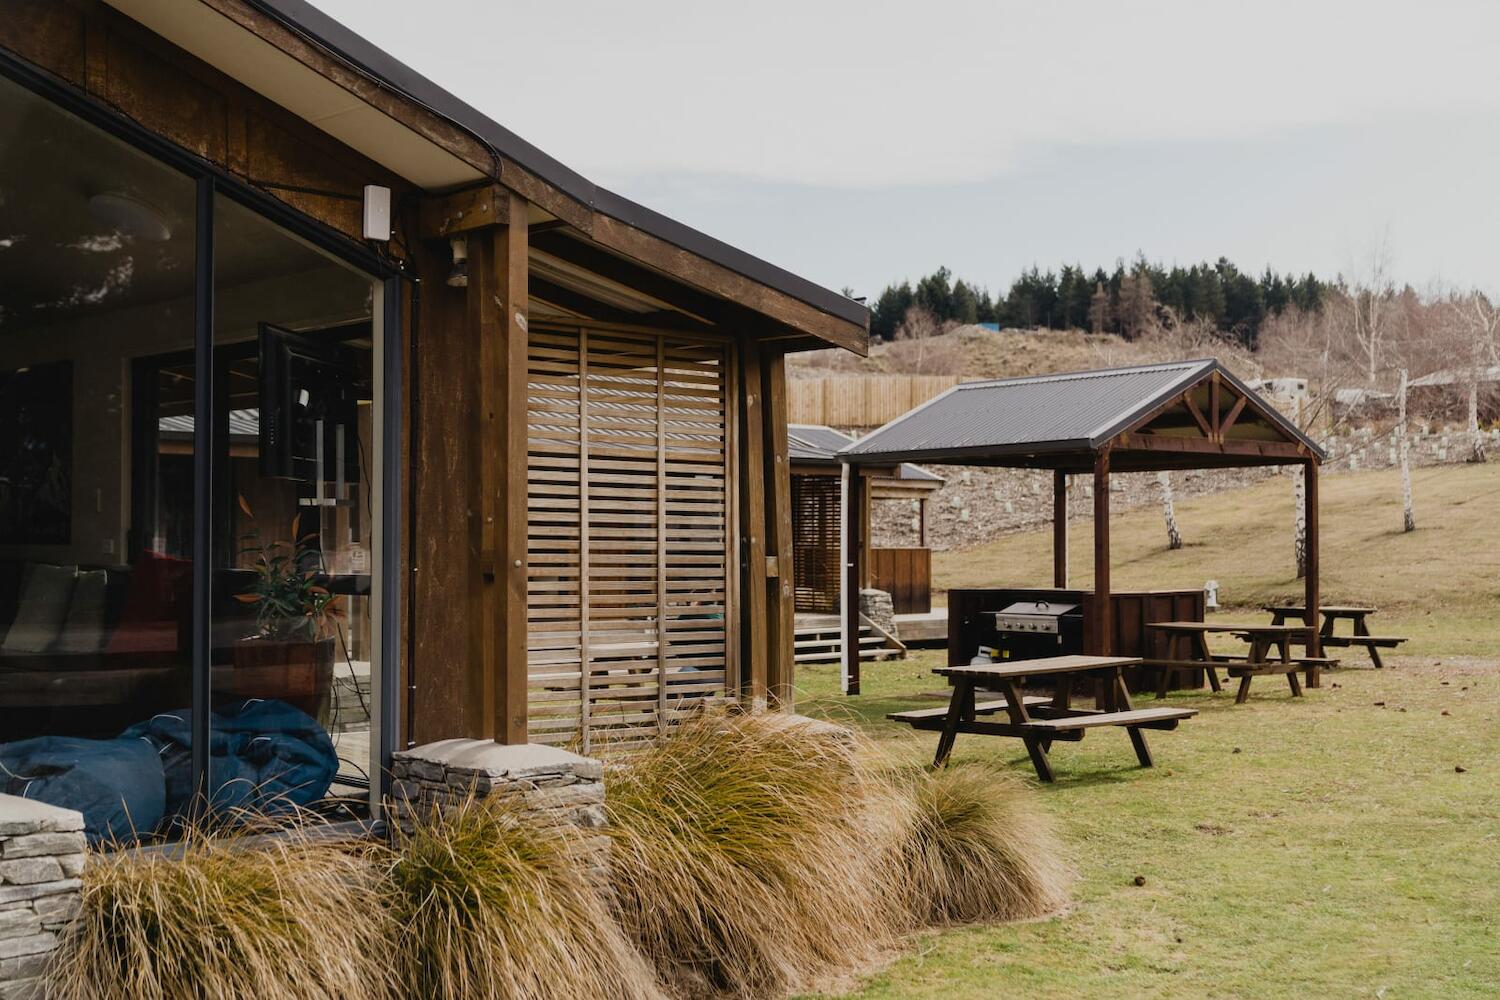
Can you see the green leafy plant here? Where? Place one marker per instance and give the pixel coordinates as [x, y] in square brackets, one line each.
[290, 599]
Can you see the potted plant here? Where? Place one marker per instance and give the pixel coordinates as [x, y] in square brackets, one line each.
[290, 656]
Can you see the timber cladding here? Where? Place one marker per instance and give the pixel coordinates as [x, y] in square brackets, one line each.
[631, 559]
[816, 524]
[860, 400]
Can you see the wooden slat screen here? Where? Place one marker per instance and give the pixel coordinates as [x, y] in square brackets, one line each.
[630, 552]
[816, 524]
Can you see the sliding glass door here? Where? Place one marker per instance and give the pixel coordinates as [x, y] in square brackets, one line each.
[192, 492]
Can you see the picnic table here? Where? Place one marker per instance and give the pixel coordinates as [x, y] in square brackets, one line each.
[1038, 721]
[1263, 640]
[1328, 637]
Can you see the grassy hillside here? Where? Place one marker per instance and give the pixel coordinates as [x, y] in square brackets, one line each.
[1440, 584]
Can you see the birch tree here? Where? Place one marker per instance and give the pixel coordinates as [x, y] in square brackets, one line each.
[1370, 300]
[1408, 517]
[1299, 509]
[1478, 322]
[1169, 510]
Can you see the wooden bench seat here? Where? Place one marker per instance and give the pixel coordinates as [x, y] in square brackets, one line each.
[1383, 641]
[1373, 644]
[1150, 718]
[981, 708]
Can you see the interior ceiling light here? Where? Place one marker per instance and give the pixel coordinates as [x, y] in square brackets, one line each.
[130, 216]
[458, 274]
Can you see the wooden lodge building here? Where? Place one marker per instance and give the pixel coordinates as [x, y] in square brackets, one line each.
[523, 441]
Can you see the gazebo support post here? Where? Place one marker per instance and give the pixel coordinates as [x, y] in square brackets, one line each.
[1312, 596]
[856, 553]
[1103, 613]
[1060, 529]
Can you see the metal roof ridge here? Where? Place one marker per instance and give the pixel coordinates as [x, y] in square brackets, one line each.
[1085, 373]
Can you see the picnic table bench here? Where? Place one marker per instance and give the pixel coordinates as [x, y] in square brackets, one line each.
[1331, 615]
[1038, 721]
[1263, 640]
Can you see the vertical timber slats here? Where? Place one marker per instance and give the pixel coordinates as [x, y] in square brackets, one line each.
[630, 548]
[816, 523]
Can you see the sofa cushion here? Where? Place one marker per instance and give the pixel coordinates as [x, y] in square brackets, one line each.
[41, 610]
[83, 629]
[149, 619]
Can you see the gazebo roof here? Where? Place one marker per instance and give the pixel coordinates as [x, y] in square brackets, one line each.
[1185, 414]
[816, 444]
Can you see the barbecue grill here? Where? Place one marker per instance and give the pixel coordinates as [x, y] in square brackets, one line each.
[1027, 630]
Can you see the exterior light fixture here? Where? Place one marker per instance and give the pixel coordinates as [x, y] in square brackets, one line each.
[458, 274]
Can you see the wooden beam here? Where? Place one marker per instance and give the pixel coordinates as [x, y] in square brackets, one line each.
[781, 610]
[1103, 613]
[1311, 594]
[497, 303]
[856, 554]
[1284, 451]
[1059, 529]
[1213, 405]
[463, 211]
[752, 477]
[1232, 416]
[1197, 414]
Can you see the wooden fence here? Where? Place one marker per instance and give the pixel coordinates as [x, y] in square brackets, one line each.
[861, 400]
[905, 574]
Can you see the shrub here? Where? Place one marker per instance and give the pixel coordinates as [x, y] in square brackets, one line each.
[749, 855]
[227, 918]
[974, 848]
[493, 907]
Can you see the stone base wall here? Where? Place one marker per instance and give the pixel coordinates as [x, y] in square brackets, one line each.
[552, 787]
[41, 859]
[877, 606]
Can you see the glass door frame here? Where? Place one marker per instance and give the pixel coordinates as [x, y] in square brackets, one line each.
[386, 279]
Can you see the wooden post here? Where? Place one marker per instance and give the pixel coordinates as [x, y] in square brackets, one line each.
[1103, 613]
[780, 608]
[753, 631]
[922, 522]
[1059, 529]
[854, 572]
[1312, 597]
[497, 304]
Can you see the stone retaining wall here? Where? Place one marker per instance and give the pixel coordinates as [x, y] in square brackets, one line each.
[553, 787]
[41, 858]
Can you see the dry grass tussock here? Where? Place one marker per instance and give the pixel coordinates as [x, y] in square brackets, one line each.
[974, 848]
[749, 856]
[490, 907]
[227, 917]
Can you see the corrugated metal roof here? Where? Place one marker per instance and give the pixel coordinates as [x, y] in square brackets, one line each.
[817, 443]
[1077, 411]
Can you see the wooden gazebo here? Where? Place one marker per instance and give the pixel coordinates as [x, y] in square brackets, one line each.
[1149, 418]
[817, 524]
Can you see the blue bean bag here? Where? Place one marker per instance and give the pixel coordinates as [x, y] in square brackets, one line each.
[118, 785]
[264, 756]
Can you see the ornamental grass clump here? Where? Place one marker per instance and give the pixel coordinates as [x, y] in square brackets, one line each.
[492, 907]
[227, 918]
[975, 848]
[749, 855]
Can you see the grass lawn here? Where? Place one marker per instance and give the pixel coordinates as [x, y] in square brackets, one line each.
[1326, 845]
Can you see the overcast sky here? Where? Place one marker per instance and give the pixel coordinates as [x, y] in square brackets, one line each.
[858, 142]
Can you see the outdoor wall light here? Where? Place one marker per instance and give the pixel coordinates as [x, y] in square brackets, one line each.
[458, 274]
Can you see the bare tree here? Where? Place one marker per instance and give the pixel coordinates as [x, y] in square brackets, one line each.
[1369, 299]
[1169, 510]
[1477, 321]
[1408, 516]
[1299, 511]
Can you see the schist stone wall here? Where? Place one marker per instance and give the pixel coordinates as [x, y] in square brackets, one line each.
[552, 786]
[41, 857]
